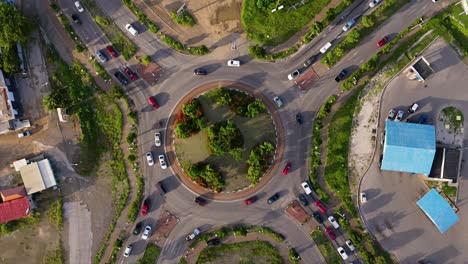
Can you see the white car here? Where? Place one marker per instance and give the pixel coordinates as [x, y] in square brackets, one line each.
[374, 3]
[278, 101]
[128, 251]
[306, 188]
[350, 245]
[157, 139]
[79, 7]
[399, 116]
[233, 63]
[195, 233]
[391, 114]
[162, 162]
[146, 233]
[24, 134]
[333, 221]
[294, 75]
[149, 158]
[363, 197]
[342, 253]
[413, 108]
[325, 47]
[131, 29]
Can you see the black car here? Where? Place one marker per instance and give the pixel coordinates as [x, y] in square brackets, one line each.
[341, 75]
[137, 228]
[213, 242]
[273, 198]
[310, 61]
[161, 187]
[200, 201]
[121, 77]
[299, 118]
[302, 199]
[317, 217]
[76, 19]
[200, 72]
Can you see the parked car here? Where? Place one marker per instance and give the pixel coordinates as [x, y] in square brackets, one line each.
[200, 201]
[24, 134]
[399, 115]
[413, 108]
[128, 251]
[213, 242]
[333, 221]
[382, 42]
[162, 162]
[320, 207]
[299, 118]
[152, 102]
[130, 73]
[157, 139]
[146, 232]
[342, 253]
[363, 197]
[330, 233]
[311, 60]
[302, 199]
[195, 233]
[273, 198]
[149, 158]
[341, 76]
[422, 119]
[162, 188]
[325, 47]
[317, 217]
[145, 208]
[349, 24]
[233, 63]
[79, 7]
[306, 188]
[278, 101]
[374, 3]
[294, 75]
[251, 200]
[112, 51]
[131, 29]
[101, 56]
[391, 114]
[200, 72]
[287, 167]
[76, 19]
[121, 78]
[350, 245]
[137, 228]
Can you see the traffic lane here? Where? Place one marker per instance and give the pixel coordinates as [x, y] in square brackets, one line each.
[136, 241]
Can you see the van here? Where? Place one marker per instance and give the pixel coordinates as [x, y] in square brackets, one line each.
[325, 47]
[131, 29]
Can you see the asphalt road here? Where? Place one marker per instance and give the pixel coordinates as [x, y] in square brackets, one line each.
[270, 79]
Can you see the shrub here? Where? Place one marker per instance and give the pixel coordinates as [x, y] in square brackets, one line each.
[368, 21]
[80, 48]
[294, 256]
[145, 60]
[224, 137]
[192, 109]
[184, 19]
[55, 213]
[330, 14]
[258, 161]
[207, 176]
[316, 27]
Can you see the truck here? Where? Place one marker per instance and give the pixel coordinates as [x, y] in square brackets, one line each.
[195, 233]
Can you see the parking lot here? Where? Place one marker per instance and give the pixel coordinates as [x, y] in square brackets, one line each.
[391, 212]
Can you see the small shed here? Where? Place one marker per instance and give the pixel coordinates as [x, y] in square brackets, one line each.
[438, 210]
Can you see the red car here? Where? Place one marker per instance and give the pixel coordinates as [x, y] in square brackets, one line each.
[382, 42]
[130, 73]
[320, 207]
[200, 201]
[153, 102]
[287, 167]
[251, 200]
[144, 208]
[330, 233]
[112, 51]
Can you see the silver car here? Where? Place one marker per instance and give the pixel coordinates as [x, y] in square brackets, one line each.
[399, 115]
[157, 139]
[278, 101]
[146, 233]
[149, 158]
[101, 56]
[391, 114]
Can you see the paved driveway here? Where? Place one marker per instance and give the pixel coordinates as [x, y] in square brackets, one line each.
[391, 211]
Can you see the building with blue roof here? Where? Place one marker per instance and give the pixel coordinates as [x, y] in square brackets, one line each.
[438, 210]
[408, 147]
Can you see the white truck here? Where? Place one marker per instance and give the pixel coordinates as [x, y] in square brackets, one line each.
[195, 233]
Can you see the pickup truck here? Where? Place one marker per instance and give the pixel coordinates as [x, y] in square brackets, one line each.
[195, 233]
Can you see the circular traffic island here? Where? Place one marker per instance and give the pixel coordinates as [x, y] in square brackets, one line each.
[224, 140]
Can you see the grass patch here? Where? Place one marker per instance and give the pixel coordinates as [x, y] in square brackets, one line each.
[55, 213]
[272, 29]
[450, 191]
[184, 19]
[243, 252]
[327, 249]
[151, 254]
[11, 226]
[459, 14]
[454, 116]
[55, 256]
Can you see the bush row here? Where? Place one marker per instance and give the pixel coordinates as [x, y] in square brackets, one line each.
[171, 42]
[258, 52]
[141, 16]
[259, 160]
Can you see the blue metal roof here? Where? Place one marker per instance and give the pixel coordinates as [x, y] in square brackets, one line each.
[408, 147]
[438, 210]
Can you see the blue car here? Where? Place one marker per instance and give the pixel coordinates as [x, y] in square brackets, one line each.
[349, 25]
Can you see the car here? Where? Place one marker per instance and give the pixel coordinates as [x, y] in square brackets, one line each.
[399, 115]
[435, 1]
[137, 228]
[145, 208]
[302, 199]
[320, 207]
[310, 61]
[391, 114]
[195, 233]
[131, 29]
[382, 42]
[333, 221]
[24, 134]
[157, 139]
[200, 72]
[152, 102]
[162, 162]
[79, 7]
[213, 242]
[422, 119]
[128, 251]
[76, 19]
[342, 253]
[287, 167]
[330, 233]
[306, 188]
[233, 63]
[149, 158]
[325, 47]
[101, 56]
[146, 232]
[161, 188]
[273, 198]
[251, 200]
[350, 245]
[121, 78]
[341, 76]
[278, 101]
[130, 73]
[412, 109]
[294, 75]
[200, 201]
[374, 3]
[363, 197]
[299, 118]
[317, 217]
[349, 24]
[111, 51]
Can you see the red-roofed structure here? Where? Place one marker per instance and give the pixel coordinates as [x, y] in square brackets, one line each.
[14, 209]
[13, 193]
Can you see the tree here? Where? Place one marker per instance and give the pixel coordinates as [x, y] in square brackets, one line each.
[330, 14]
[223, 96]
[368, 21]
[255, 108]
[192, 109]
[10, 59]
[316, 27]
[58, 98]
[14, 26]
[257, 51]
[339, 52]
[353, 36]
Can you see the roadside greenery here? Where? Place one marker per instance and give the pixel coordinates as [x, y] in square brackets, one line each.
[55, 256]
[99, 69]
[293, 256]
[259, 52]
[118, 243]
[151, 254]
[141, 16]
[55, 213]
[240, 103]
[11, 226]
[171, 42]
[184, 19]
[259, 160]
[256, 251]
[145, 60]
[224, 137]
[325, 246]
[272, 29]
[189, 120]
[135, 206]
